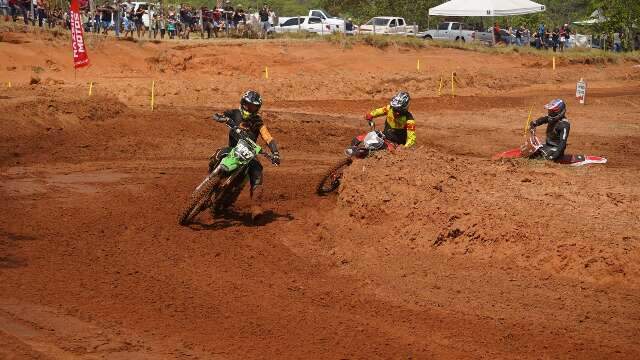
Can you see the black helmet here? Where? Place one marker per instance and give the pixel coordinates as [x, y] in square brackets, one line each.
[400, 101]
[250, 103]
[557, 109]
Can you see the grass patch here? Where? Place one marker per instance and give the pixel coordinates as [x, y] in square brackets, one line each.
[377, 41]
[303, 35]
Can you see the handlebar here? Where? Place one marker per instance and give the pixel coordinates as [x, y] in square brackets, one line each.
[240, 133]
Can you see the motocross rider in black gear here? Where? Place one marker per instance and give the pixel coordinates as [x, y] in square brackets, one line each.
[557, 131]
[248, 119]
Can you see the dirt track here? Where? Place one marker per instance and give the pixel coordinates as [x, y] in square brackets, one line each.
[432, 253]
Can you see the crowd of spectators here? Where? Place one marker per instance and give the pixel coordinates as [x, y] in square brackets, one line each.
[43, 14]
[557, 38]
[126, 18]
[542, 38]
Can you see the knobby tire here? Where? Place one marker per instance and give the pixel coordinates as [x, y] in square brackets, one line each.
[331, 181]
[198, 200]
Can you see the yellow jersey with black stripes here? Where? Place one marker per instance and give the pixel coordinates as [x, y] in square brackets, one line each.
[398, 128]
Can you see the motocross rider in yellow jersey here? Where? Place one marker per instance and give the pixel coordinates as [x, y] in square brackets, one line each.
[400, 127]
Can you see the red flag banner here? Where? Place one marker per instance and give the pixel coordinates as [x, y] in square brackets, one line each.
[80, 56]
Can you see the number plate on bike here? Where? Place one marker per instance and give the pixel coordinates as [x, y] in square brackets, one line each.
[243, 151]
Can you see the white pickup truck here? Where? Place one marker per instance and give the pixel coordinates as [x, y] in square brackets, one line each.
[451, 31]
[385, 25]
[333, 22]
[305, 24]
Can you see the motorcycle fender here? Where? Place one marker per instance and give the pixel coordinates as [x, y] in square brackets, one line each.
[230, 163]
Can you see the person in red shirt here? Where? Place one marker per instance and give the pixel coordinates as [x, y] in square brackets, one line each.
[496, 33]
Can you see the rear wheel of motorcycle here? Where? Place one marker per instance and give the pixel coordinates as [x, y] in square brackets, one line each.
[198, 201]
[331, 181]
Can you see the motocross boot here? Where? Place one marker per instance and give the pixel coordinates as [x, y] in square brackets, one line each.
[256, 200]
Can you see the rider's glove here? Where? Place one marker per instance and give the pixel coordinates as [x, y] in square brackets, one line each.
[220, 118]
[275, 158]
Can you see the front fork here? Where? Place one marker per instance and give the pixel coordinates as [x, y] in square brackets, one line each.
[211, 175]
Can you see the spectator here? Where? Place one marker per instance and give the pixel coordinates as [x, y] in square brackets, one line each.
[567, 36]
[538, 40]
[162, 25]
[228, 16]
[617, 41]
[217, 21]
[555, 39]
[519, 36]
[154, 27]
[13, 9]
[562, 39]
[541, 31]
[116, 10]
[138, 15]
[25, 5]
[186, 18]
[239, 19]
[105, 18]
[32, 14]
[264, 21]
[39, 9]
[129, 22]
[549, 40]
[348, 26]
[4, 9]
[496, 33]
[209, 21]
[171, 25]
[96, 21]
[273, 17]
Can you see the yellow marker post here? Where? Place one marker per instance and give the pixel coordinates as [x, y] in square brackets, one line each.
[554, 63]
[440, 87]
[9, 84]
[418, 66]
[526, 125]
[90, 87]
[453, 91]
[153, 89]
[266, 73]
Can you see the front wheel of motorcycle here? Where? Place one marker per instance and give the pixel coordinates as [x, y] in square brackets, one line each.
[198, 201]
[331, 181]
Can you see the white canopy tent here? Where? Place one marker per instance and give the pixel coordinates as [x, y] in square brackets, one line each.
[486, 8]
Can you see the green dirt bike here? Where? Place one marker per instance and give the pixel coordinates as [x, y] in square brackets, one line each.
[226, 180]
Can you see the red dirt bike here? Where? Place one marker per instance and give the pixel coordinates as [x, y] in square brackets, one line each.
[532, 144]
[368, 143]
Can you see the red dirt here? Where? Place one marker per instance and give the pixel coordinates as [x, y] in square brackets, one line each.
[432, 253]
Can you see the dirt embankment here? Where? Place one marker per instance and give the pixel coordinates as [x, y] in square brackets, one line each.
[578, 223]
